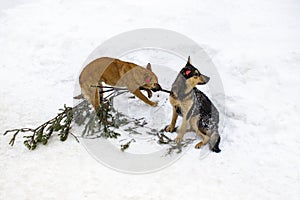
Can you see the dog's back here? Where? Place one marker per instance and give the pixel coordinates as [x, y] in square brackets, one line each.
[209, 115]
[209, 118]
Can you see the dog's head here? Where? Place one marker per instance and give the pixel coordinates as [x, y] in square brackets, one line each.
[193, 75]
[150, 80]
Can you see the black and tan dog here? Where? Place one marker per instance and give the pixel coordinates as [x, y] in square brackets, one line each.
[194, 107]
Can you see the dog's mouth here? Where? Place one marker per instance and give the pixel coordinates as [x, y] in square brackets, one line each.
[201, 83]
[156, 88]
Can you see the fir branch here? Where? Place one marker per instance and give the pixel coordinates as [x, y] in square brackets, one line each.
[178, 147]
[62, 122]
[42, 133]
[126, 145]
[162, 138]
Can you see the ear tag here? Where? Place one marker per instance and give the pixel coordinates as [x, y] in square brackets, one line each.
[148, 80]
[187, 72]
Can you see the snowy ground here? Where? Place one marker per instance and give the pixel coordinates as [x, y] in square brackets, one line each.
[254, 45]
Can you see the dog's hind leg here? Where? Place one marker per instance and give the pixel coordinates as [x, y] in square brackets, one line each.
[100, 92]
[194, 124]
[95, 101]
[90, 94]
[98, 97]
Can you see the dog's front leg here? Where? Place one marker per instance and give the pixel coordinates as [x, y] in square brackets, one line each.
[182, 130]
[140, 95]
[170, 128]
[149, 93]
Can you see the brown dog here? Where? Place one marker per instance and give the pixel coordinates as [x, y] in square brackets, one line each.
[118, 73]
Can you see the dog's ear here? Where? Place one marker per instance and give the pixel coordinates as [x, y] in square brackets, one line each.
[149, 67]
[189, 60]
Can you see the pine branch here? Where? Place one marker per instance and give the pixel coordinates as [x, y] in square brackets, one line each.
[126, 145]
[162, 138]
[42, 133]
[62, 123]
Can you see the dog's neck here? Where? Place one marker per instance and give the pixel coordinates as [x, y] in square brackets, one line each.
[179, 88]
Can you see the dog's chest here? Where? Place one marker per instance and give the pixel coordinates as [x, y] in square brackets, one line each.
[182, 107]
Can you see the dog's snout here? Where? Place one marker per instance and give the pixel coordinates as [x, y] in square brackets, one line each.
[205, 78]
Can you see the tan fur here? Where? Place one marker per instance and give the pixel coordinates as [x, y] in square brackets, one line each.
[185, 106]
[117, 73]
[194, 125]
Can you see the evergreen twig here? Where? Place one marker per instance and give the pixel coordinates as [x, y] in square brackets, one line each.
[177, 147]
[62, 123]
[126, 145]
[41, 134]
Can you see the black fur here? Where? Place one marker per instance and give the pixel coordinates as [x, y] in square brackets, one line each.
[216, 148]
[209, 117]
[191, 69]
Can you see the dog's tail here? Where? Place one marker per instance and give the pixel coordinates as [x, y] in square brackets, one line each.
[214, 142]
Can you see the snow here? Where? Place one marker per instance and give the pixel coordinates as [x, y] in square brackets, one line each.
[255, 47]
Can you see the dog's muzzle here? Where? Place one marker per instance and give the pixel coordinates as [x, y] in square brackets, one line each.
[156, 88]
[205, 80]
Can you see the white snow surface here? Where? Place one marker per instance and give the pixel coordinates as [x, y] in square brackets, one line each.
[255, 46]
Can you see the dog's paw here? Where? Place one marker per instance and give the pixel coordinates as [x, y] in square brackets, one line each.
[169, 128]
[199, 145]
[178, 139]
[154, 103]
